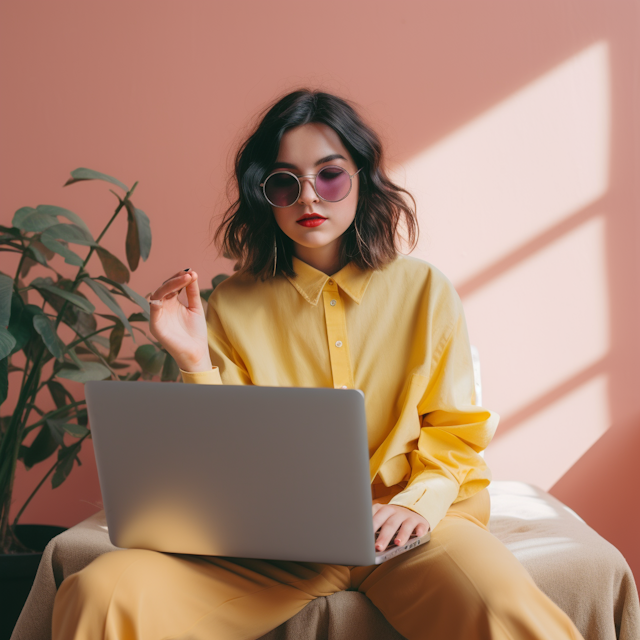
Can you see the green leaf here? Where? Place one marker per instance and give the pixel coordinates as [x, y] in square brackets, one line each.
[216, 280]
[7, 343]
[138, 317]
[69, 233]
[70, 257]
[6, 289]
[138, 243]
[27, 263]
[131, 376]
[42, 447]
[77, 175]
[113, 267]
[144, 354]
[119, 365]
[89, 371]
[66, 457]
[57, 429]
[134, 296]
[144, 232]
[58, 393]
[75, 430]
[21, 324]
[47, 253]
[52, 210]
[86, 324]
[82, 417]
[132, 243]
[47, 330]
[105, 295]
[115, 341]
[4, 379]
[33, 256]
[205, 294]
[76, 300]
[75, 359]
[170, 369]
[149, 359]
[83, 323]
[29, 219]
[101, 340]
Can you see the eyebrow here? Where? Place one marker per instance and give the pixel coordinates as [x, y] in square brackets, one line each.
[288, 165]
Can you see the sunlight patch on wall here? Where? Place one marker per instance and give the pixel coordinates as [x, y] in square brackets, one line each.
[515, 170]
[541, 449]
[543, 321]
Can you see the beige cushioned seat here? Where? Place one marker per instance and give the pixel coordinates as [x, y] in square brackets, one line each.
[579, 570]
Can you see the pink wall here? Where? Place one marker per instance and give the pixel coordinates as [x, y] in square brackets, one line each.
[514, 123]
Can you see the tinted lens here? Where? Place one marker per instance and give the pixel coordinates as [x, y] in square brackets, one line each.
[281, 189]
[333, 184]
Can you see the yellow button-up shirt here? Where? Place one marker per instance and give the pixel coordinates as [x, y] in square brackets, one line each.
[398, 334]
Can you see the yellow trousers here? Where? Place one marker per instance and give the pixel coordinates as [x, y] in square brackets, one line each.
[463, 585]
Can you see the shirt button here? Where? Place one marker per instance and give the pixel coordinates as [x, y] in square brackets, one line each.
[333, 303]
[344, 386]
[339, 343]
[330, 281]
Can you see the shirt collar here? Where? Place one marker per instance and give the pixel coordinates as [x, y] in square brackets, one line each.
[309, 282]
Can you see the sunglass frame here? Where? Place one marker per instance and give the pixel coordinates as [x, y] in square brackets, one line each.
[310, 175]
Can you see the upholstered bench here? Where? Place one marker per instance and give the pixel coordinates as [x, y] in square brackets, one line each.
[579, 570]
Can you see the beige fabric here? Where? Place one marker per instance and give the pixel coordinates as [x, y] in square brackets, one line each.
[585, 575]
[579, 570]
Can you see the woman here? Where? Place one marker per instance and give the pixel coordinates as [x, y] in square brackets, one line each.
[323, 299]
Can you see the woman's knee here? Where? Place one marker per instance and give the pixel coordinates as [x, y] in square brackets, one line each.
[463, 568]
[98, 581]
[84, 598]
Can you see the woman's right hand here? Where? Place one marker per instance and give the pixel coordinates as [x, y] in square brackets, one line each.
[180, 329]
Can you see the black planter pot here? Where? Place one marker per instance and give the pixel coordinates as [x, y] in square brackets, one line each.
[18, 570]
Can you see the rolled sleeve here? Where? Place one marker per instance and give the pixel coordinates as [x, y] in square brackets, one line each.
[202, 377]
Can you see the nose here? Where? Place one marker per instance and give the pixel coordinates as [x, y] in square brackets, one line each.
[307, 192]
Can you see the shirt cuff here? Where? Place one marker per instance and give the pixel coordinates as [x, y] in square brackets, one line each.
[430, 499]
[202, 377]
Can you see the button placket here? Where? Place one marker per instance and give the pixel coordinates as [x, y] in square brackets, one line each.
[337, 336]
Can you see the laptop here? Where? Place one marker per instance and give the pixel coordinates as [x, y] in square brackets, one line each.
[277, 473]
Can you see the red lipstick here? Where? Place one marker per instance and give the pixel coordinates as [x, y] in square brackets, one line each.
[311, 220]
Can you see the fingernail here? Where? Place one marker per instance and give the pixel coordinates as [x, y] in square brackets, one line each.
[187, 269]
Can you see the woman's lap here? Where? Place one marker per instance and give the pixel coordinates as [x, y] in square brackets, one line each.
[463, 584]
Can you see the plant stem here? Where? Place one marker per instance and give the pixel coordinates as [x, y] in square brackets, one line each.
[100, 357]
[75, 343]
[24, 255]
[92, 249]
[9, 447]
[77, 446]
[52, 414]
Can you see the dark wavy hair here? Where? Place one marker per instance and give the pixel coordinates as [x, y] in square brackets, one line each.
[248, 226]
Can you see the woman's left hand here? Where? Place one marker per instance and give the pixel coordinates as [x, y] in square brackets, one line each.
[390, 518]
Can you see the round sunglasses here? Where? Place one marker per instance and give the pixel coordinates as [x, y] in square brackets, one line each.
[331, 184]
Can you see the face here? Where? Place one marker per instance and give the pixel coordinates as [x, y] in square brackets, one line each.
[304, 151]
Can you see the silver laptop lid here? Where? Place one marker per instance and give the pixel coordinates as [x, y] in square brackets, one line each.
[242, 471]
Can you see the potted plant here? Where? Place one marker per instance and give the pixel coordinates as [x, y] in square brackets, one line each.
[62, 337]
[50, 333]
